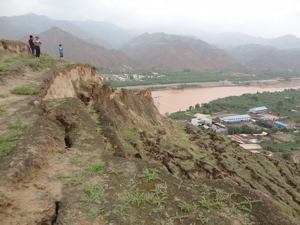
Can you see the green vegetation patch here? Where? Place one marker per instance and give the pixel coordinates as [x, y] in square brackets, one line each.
[4, 68]
[95, 169]
[188, 76]
[15, 60]
[180, 115]
[9, 139]
[44, 62]
[2, 109]
[52, 103]
[24, 90]
[131, 136]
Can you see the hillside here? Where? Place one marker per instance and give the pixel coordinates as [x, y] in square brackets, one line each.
[191, 49]
[174, 52]
[105, 34]
[76, 49]
[232, 40]
[258, 57]
[92, 155]
[110, 36]
[114, 35]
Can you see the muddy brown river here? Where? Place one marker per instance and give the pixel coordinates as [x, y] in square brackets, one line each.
[173, 100]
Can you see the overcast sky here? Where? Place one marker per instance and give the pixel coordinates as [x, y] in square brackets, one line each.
[264, 18]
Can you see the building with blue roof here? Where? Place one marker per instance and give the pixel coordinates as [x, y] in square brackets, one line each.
[259, 110]
[235, 119]
[281, 124]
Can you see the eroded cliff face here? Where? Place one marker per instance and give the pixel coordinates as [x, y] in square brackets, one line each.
[15, 47]
[94, 155]
[66, 81]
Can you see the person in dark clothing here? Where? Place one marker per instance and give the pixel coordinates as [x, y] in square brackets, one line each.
[31, 44]
[37, 44]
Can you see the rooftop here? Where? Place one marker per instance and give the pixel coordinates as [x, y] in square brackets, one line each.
[251, 146]
[235, 117]
[281, 124]
[260, 108]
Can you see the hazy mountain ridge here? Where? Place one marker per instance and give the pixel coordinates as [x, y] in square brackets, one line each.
[18, 27]
[185, 52]
[77, 49]
[107, 31]
[161, 50]
[231, 40]
[265, 57]
[116, 36]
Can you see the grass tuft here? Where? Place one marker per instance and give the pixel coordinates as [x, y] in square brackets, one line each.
[8, 140]
[24, 90]
[94, 169]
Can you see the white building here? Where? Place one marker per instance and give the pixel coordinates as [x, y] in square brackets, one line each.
[235, 119]
[259, 110]
[201, 121]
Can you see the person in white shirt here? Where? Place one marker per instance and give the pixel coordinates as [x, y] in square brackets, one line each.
[37, 44]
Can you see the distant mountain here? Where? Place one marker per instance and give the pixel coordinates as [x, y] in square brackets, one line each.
[175, 52]
[107, 31]
[230, 40]
[16, 27]
[284, 42]
[247, 53]
[160, 49]
[267, 61]
[260, 57]
[76, 49]
[104, 34]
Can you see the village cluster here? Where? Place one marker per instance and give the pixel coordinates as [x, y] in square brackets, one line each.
[247, 141]
[128, 77]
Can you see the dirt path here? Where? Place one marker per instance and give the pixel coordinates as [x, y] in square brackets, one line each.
[15, 106]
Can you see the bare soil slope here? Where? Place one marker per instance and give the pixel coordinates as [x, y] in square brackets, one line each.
[92, 155]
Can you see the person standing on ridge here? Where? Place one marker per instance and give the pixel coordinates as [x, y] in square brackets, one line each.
[31, 44]
[37, 44]
[61, 51]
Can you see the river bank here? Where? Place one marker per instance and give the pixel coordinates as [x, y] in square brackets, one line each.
[173, 100]
[225, 83]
